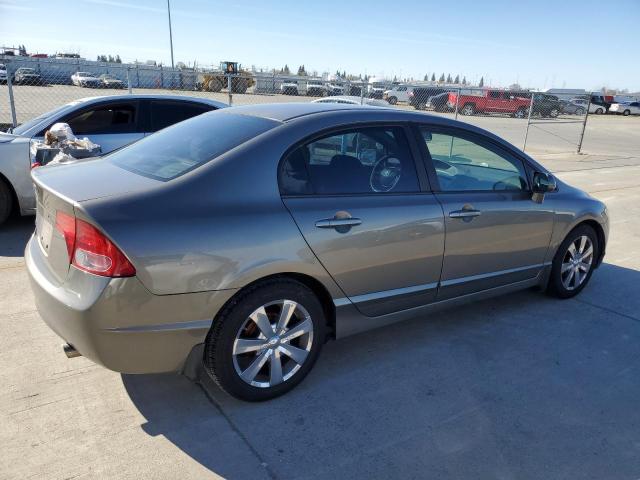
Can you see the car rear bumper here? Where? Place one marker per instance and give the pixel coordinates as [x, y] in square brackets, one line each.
[117, 322]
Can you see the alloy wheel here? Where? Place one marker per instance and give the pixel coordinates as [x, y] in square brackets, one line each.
[273, 343]
[577, 263]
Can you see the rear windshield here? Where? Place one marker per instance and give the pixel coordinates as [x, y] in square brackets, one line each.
[175, 150]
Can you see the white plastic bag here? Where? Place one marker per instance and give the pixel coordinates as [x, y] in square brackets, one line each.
[62, 131]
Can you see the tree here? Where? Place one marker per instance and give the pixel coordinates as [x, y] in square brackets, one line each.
[118, 59]
[449, 79]
[286, 70]
[481, 84]
[457, 79]
[464, 80]
[441, 78]
[426, 77]
[433, 77]
[301, 71]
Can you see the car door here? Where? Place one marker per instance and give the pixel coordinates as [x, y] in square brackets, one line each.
[164, 113]
[356, 196]
[495, 233]
[111, 124]
[495, 102]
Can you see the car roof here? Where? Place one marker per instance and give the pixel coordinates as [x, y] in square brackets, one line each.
[284, 112]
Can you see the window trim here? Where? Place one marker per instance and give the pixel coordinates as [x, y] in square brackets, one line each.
[479, 139]
[414, 150]
[65, 118]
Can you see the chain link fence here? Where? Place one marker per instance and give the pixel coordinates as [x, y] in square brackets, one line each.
[533, 121]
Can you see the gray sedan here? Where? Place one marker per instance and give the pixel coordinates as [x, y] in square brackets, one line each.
[243, 239]
[110, 122]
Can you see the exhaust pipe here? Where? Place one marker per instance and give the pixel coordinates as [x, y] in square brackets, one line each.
[70, 351]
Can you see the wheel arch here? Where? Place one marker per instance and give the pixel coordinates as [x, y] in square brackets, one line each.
[600, 235]
[315, 285]
[14, 196]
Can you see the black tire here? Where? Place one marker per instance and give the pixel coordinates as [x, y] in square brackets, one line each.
[626, 113]
[556, 286]
[580, 111]
[219, 345]
[554, 112]
[392, 100]
[599, 111]
[6, 201]
[468, 109]
[521, 113]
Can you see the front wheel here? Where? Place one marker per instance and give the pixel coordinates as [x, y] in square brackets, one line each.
[574, 262]
[468, 109]
[6, 202]
[626, 113]
[392, 100]
[521, 113]
[266, 340]
[599, 111]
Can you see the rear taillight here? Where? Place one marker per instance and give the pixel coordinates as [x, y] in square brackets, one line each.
[90, 250]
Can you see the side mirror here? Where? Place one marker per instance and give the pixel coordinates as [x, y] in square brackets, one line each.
[543, 183]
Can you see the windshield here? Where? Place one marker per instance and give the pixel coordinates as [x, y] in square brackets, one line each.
[83, 74]
[27, 70]
[182, 147]
[24, 127]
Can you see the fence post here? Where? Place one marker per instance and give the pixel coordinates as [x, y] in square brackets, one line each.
[457, 103]
[229, 83]
[526, 132]
[129, 79]
[584, 126]
[361, 93]
[12, 103]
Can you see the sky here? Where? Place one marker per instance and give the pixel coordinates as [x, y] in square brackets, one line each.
[542, 44]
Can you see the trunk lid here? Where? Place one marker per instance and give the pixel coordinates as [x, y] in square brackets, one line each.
[58, 191]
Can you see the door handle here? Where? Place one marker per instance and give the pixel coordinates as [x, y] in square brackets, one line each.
[338, 222]
[465, 213]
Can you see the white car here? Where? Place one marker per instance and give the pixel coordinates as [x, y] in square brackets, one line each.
[399, 93]
[353, 100]
[86, 79]
[335, 89]
[631, 108]
[289, 88]
[315, 88]
[593, 107]
[3, 73]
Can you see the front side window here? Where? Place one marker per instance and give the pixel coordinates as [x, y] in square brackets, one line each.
[368, 160]
[464, 165]
[106, 119]
[494, 94]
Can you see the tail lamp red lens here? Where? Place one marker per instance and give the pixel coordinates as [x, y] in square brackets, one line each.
[90, 250]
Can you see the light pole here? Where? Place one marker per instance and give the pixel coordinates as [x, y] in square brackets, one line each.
[170, 35]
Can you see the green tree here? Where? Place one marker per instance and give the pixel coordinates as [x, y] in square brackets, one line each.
[286, 70]
[464, 80]
[457, 79]
[481, 84]
[433, 77]
[118, 59]
[301, 71]
[449, 80]
[441, 78]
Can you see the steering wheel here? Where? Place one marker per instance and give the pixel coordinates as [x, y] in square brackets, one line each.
[508, 183]
[385, 174]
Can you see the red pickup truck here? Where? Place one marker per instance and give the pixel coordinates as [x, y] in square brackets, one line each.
[489, 101]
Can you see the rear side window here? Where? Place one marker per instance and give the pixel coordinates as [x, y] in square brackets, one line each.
[182, 147]
[367, 160]
[105, 119]
[166, 113]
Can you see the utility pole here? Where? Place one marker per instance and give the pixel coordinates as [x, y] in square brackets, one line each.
[170, 35]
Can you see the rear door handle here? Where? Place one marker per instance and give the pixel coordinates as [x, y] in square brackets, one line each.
[465, 213]
[338, 222]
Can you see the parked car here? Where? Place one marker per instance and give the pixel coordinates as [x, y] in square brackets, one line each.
[169, 251]
[603, 101]
[27, 76]
[289, 88]
[335, 89]
[439, 103]
[353, 100]
[544, 105]
[86, 79]
[631, 108]
[315, 88]
[419, 96]
[3, 73]
[399, 93]
[491, 101]
[109, 81]
[593, 107]
[571, 108]
[110, 122]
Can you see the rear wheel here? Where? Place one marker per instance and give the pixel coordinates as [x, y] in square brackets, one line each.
[574, 262]
[266, 340]
[579, 111]
[6, 201]
[521, 113]
[554, 112]
[392, 100]
[599, 111]
[626, 113]
[468, 109]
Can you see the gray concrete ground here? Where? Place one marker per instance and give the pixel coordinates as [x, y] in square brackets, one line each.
[520, 387]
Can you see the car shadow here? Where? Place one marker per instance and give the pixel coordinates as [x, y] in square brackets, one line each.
[521, 386]
[14, 235]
